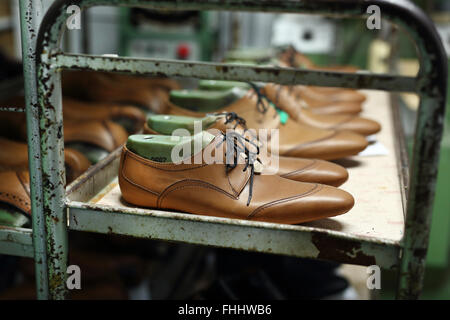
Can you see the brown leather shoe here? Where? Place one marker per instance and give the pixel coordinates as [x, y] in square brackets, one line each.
[14, 157]
[315, 99]
[75, 110]
[280, 95]
[15, 190]
[78, 111]
[322, 97]
[295, 139]
[298, 169]
[104, 134]
[237, 193]
[151, 93]
[295, 59]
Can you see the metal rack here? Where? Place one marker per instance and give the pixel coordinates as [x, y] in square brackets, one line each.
[30, 243]
[57, 209]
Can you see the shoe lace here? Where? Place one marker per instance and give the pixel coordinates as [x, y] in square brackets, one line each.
[232, 117]
[260, 105]
[236, 145]
[263, 108]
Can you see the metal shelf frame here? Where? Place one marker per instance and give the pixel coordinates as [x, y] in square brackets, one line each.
[54, 214]
[22, 242]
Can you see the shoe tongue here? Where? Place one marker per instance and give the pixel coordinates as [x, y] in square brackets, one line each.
[219, 142]
[269, 119]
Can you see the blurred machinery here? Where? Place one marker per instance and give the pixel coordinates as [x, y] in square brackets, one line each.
[184, 35]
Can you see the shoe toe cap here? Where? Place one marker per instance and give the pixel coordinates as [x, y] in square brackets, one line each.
[338, 108]
[320, 171]
[321, 202]
[362, 126]
[339, 144]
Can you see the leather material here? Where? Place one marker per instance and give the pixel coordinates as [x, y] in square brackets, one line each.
[282, 98]
[306, 170]
[14, 156]
[318, 99]
[15, 190]
[335, 100]
[298, 169]
[75, 110]
[295, 139]
[209, 190]
[151, 93]
[291, 57]
[76, 164]
[104, 134]
[334, 108]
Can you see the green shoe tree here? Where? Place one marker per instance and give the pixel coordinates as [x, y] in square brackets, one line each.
[159, 148]
[203, 100]
[219, 85]
[11, 217]
[250, 55]
[167, 124]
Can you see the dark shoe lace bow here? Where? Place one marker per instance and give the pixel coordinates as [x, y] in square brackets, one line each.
[236, 145]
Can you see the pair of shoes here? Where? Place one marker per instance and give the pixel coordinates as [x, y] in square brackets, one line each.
[296, 139]
[232, 185]
[333, 116]
[282, 97]
[298, 169]
[321, 100]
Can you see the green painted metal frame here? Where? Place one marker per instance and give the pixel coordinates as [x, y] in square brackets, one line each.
[29, 27]
[22, 242]
[431, 85]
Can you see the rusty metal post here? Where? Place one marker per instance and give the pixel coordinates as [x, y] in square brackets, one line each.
[29, 27]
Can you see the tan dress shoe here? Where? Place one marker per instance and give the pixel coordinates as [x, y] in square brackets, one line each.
[150, 93]
[75, 110]
[236, 192]
[295, 139]
[14, 157]
[295, 59]
[103, 134]
[298, 169]
[315, 99]
[15, 190]
[322, 97]
[280, 95]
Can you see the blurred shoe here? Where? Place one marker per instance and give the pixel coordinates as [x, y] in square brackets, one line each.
[298, 169]
[295, 139]
[283, 99]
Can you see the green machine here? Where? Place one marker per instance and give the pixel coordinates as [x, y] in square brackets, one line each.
[184, 35]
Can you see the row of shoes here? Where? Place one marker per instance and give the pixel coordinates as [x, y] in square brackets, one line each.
[313, 125]
[290, 183]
